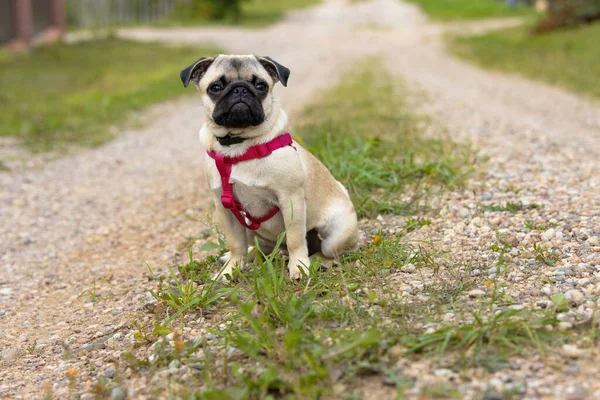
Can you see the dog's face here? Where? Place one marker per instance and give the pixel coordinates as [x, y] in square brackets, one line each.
[237, 90]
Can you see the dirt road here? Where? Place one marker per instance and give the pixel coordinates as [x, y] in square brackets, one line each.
[87, 223]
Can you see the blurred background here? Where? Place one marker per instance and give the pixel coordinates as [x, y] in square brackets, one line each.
[65, 78]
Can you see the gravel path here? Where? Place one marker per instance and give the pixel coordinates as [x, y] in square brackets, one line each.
[97, 216]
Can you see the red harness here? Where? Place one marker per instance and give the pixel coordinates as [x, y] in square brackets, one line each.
[224, 164]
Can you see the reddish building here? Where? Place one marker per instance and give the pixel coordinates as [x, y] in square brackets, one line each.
[24, 21]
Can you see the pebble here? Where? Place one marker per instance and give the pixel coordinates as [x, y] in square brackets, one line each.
[2, 313]
[445, 372]
[486, 196]
[409, 268]
[492, 395]
[109, 373]
[118, 393]
[564, 326]
[547, 290]
[572, 351]
[476, 293]
[548, 235]
[575, 296]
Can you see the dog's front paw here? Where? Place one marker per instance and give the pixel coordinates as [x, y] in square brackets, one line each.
[224, 259]
[299, 267]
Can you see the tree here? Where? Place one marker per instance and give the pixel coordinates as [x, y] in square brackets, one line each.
[568, 13]
[212, 9]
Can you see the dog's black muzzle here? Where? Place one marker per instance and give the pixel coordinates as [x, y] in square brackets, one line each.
[239, 106]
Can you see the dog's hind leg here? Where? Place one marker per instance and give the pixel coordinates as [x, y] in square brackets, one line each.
[340, 233]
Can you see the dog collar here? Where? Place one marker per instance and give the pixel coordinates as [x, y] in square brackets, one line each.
[224, 165]
[228, 140]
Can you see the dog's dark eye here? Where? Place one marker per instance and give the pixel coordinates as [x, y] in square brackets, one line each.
[215, 88]
[260, 87]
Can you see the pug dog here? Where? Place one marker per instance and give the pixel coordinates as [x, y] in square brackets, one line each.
[283, 190]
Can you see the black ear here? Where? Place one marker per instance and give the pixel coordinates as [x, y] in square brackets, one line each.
[277, 71]
[195, 71]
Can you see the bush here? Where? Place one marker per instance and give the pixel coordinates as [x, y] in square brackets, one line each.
[568, 13]
[212, 9]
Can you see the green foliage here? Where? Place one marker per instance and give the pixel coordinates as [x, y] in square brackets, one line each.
[246, 13]
[546, 256]
[568, 58]
[183, 294]
[64, 95]
[568, 14]
[512, 208]
[490, 333]
[212, 9]
[530, 224]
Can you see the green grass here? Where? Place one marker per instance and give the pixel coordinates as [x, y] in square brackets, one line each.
[512, 208]
[364, 132]
[567, 58]
[312, 338]
[447, 10]
[65, 95]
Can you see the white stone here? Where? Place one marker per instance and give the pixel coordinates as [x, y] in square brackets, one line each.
[572, 351]
[476, 293]
[575, 296]
[548, 235]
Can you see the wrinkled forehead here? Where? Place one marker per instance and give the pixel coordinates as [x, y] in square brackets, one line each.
[236, 67]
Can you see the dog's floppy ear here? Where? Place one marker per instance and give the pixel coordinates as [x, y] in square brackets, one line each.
[277, 71]
[195, 71]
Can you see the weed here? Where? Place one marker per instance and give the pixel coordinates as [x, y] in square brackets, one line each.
[102, 388]
[32, 348]
[180, 295]
[530, 224]
[92, 293]
[546, 256]
[490, 333]
[441, 391]
[502, 262]
[512, 208]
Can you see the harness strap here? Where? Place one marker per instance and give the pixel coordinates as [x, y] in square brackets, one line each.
[224, 165]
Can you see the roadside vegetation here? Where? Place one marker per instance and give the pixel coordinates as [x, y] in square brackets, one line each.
[447, 10]
[353, 323]
[569, 58]
[71, 95]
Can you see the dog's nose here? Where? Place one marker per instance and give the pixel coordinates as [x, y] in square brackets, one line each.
[241, 90]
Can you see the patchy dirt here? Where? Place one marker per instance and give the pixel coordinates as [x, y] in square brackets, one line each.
[77, 232]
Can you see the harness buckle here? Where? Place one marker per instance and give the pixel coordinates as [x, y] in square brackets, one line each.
[228, 201]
